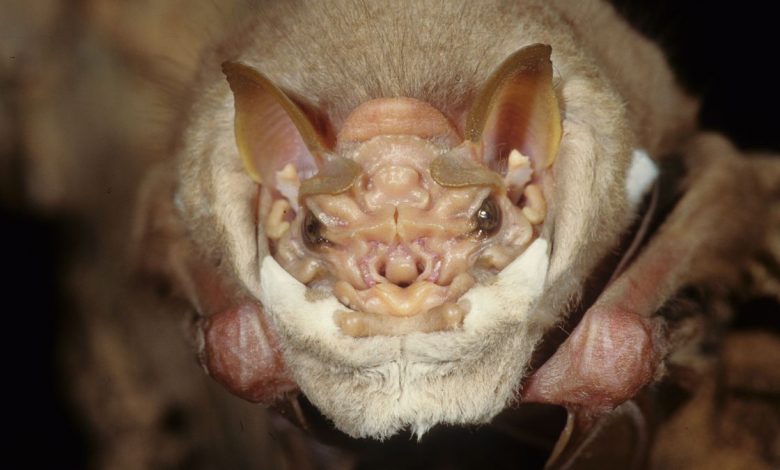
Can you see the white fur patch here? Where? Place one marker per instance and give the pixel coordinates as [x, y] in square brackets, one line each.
[374, 387]
[641, 175]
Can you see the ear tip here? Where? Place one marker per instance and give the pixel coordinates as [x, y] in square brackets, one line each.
[235, 71]
[538, 53]
[540, 46]
[228, 67]
[232, 71]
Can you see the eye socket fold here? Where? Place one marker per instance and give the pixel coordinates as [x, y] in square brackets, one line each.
[311, 231]
[487, 219]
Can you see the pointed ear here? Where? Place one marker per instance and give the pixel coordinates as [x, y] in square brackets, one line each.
[517, 109]
[271, 130]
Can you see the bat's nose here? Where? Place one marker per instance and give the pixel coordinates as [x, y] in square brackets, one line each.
[402, 272]
[396, 185]
[401, 267]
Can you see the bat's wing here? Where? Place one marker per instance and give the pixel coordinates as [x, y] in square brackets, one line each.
[723, 229]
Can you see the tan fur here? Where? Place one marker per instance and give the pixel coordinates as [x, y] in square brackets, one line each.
[660, 114]
[406, 50]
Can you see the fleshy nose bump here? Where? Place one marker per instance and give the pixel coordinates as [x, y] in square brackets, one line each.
[395, 180]
[394, 185]
[402, 269]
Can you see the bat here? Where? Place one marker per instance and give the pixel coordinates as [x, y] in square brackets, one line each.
[398, 232]
[392, 226]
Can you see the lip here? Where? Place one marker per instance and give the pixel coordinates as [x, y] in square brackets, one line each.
[445, 317]
[506, 297]
[389, 299]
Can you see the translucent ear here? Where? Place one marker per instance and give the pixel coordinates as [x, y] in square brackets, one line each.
[271, 130]
[517, 109]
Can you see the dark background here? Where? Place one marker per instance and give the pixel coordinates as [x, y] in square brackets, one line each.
[725, 53]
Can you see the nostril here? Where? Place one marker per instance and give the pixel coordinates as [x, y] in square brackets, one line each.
[420, 265]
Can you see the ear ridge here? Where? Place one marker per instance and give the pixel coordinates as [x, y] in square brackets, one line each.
[517, 109]
[271, 130]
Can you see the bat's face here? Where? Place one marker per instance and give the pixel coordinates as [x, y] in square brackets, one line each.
[420, 223]
[409, 258]
[402, 246]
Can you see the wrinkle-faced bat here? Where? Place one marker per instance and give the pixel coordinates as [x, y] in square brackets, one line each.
[393, 232]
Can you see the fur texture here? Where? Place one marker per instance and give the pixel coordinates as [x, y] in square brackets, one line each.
[377, 386]
[342, 53]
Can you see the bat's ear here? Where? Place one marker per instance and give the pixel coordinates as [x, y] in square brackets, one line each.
[517, 109]
[271, 130]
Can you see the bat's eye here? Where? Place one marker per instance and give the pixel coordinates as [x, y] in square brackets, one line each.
[312, 231]
[487, 219]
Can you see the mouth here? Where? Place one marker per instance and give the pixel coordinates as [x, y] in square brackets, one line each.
[387, 310]
[385, 361]
[444, 317]
[469, 303]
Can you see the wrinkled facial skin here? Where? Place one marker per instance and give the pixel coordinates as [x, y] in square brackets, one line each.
[397, 243]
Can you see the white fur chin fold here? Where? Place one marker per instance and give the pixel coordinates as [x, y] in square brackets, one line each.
[377, 386]
[642, 173]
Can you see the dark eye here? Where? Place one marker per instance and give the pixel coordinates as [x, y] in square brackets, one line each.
[487, 219]
[312, 231]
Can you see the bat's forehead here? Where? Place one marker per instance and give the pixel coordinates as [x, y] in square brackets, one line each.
[395, 141]
[396, 116]
[396, 150]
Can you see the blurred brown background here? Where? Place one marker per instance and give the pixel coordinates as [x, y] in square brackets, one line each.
[88, 92]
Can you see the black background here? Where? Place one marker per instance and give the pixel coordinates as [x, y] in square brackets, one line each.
[724, 53]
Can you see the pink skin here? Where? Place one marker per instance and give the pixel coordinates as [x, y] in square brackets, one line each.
[619, 344]
[396, 225]
[239, 348]
[617, 347]
[241, 352]
[610, 356]
[396, 240]
[396, 116]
